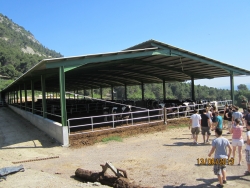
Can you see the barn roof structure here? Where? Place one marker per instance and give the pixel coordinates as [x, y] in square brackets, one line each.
[148, 62]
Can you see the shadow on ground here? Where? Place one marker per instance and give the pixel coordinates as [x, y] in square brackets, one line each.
[17, 132]
[207, 183]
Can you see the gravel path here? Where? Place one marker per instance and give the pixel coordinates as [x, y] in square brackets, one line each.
[163, 159]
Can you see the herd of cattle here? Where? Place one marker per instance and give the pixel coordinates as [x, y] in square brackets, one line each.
[181, 107]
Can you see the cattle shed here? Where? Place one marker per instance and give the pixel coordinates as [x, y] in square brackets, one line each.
[148, 62]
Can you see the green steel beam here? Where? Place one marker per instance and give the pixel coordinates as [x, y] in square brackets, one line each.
[104, 80]
[33, 96]
[44, 96]
[62, 96]
[165, 67]
[108, 77]
[86, 81]
[174, 52]
[66, 69]
[232, 86]
[107, 57]
[143, 73]
[131, 77]
[133, 71]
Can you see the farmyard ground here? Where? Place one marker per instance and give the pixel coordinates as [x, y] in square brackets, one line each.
[164, 158]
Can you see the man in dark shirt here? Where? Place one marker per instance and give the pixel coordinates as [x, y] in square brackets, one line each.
[205, 126]
[229, 119]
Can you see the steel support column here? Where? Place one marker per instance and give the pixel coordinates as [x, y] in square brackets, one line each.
[164, 90]
[192, 88]
[17, 96]
[14, 93]
[112, 93]
[62, 96]
[25, 96]
[44, 96]
[125, 92]
[20, 90]
[142, 91]
[232, 86]
[101, 92]
[33, 96]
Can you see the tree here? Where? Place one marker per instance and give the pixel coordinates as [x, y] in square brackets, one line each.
[242, 87]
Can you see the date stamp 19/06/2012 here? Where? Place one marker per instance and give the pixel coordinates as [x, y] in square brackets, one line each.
[213, 161]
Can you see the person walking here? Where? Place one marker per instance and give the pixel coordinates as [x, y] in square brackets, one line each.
[247, 116]
[195, 121]
[229, 119]
[205, 126]
[218, 121]
[237, 115]
[248, 149]
[209, 114]
[237, 139]
[226, 110]
[219, 146]
[213, 110]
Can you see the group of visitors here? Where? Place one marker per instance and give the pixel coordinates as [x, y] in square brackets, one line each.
[205, 122]
[211, 120]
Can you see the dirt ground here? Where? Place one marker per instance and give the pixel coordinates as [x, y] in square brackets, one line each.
[153, 156]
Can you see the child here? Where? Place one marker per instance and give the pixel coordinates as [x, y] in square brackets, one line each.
[237, 138]
[220, 145]
[248, 149]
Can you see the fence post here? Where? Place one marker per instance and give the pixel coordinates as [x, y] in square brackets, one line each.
[165, 115]
[132, 119]
[92, 124]
[148, 116]
[113, 120]
[69, 126]
[178, 111]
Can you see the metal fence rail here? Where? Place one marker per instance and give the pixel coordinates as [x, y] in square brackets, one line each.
[110, 121]
[136, 118]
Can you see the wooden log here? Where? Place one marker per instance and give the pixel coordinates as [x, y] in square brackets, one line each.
[95, 177]
[105, 179]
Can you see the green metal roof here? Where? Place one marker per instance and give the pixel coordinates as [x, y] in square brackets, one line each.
[148, 62]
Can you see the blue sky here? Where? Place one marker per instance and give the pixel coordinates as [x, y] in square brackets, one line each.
[215, 29]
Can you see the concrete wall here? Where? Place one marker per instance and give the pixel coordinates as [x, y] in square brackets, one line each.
[52, 128]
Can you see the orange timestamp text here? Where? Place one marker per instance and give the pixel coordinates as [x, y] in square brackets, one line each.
[213, 161]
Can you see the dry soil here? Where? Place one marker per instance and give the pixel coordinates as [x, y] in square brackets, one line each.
[153, 156]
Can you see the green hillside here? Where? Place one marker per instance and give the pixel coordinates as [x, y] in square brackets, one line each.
[19, 51]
